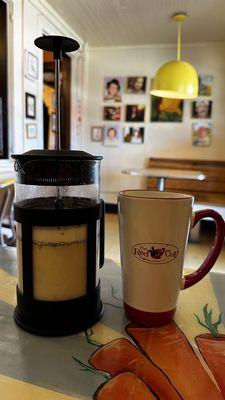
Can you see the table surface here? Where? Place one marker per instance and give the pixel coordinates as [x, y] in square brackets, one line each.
[41, 368]
[4, 183]
[165, 173]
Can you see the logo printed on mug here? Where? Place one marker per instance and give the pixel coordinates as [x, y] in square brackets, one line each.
[153, 253]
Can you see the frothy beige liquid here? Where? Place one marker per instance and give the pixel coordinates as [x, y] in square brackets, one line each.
[59, 262]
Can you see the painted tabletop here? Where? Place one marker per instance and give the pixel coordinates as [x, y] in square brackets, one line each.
[165, 173]
[115, 359]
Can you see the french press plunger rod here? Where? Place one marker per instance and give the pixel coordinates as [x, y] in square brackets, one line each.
[57, 45]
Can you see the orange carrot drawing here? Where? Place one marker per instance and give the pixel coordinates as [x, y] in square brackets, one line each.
[125, 386]
[170, 350]
[120, 355]
[212, 347]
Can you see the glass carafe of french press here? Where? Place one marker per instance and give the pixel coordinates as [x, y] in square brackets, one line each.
[60, 239]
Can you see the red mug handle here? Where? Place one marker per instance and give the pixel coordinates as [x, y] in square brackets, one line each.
[196, 276]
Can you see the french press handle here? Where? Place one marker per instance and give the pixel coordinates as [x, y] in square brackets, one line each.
[102, 235]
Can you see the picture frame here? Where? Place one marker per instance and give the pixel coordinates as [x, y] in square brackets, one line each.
[205, 85]
[136, 84]
[113, 89]
[96, 133]
[202, 134]
[54, 122]
[30, 105]
[134, 134]
[135, 112]
[112, 113]
[32, 66]
[112, 135]
[31, 131]
[201, 109]
[166, 110]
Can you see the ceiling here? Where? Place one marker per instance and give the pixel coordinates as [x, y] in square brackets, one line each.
[139, 22]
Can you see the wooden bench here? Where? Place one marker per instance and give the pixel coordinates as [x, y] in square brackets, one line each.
[209, 193]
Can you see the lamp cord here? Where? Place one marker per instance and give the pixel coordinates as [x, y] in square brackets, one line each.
[179, 41]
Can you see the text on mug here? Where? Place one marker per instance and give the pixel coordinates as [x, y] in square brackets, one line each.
[153, 253]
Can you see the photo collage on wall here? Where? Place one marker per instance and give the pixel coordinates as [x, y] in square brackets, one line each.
[112, 133]
[201, 112]
[163, 110]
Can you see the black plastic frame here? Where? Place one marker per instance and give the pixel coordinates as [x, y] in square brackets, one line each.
[55, 318]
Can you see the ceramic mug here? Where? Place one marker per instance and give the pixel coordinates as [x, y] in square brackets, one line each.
[154, 228]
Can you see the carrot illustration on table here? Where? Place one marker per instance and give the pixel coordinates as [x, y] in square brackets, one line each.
[120, 355]
[125, 386]
[212, 347]
[170, 350]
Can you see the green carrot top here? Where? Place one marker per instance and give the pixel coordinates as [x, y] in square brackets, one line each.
[208, 324]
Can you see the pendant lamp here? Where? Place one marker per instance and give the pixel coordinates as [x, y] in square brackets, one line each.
[176, 79]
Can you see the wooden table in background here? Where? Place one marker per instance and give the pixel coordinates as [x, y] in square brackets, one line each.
[163, 173]
[44, 368]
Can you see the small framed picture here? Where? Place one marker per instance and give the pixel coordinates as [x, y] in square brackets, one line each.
[30, 106]
[31, 66]
[31, 131]
[205, 85]
[53, 122]
[201, 134]
[96, 133]
[113, 87]
[136, 84]
[53, 100]
[112, 135]
[134, 135]
[201, 109]
[166, 110]
[135, 113]
[111, 113]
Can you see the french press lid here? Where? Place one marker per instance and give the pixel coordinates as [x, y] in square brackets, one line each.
[56, 167]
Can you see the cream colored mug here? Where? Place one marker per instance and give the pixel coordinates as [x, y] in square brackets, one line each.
[154, 228]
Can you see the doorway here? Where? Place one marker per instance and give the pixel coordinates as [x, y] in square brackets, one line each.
[49, 111]
[3, 82]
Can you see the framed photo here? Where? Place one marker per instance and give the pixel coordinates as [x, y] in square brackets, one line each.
[112, 113]
[136, 84]
[54, 122]
[201, 109]
[205, 85]
[31, 131]
[113, 87]
[96, 133]
[166, 110]
[112, 135]
[30, 106]
[134, 135]
[31, 66]
[53, 100]
[201, 134]
[135, 113]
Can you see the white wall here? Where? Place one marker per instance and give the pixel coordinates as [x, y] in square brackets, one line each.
[161, 139]
[28, 19]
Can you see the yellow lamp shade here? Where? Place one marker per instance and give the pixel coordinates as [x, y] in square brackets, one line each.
[176, 80]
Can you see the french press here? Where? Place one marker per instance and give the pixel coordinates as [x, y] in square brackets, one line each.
[60, 231]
